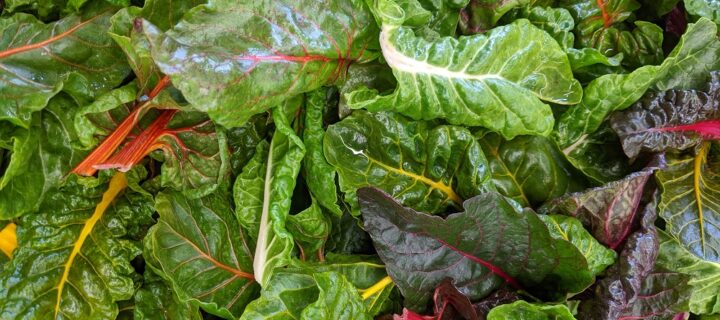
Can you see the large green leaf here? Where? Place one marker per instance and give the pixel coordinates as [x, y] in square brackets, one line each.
[530, 170]
[425, 166]
[155, 300]
[74, 256]
[38, 60]
[688, 63]
[705, 275]
[490, 244]
[201, 250]
[690, 203]
[41, 157]
[498, 81]
[570, 229]
[704, 8]
[522, 310]
[235, 59]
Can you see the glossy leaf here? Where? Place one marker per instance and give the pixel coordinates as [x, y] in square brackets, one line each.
[522, 310]
[663, 295]
[41, 157]
[425, 166]
[38, 60]
[688, 204]
[164, 14]
[320, 175]
[310, 229]
[156, 301]
[74, 256]
[639, 46]
[705, 275]
[421, 250]
[607, 211]
[248, 191]
[703, 8]
[236, 59]
[599, 155]
[201, 250]
[282, 167]
[477, 80]
[481, 15]
[570, 229]
[664, 121]
[337, 299]
[618, 91]
[530, 170]
[497, 298]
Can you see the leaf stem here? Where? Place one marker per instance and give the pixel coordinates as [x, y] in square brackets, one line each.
[8, 239]
[377, 287]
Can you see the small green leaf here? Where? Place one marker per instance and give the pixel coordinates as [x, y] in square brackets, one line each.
[522, 310]
[570, 229]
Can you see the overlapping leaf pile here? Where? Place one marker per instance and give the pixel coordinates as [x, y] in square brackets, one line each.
[359, 159]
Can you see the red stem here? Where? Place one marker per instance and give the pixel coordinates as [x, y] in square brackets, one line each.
[607, 21]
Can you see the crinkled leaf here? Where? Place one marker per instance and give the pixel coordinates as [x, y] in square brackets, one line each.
[705, 275]
[38, 60]
[337, 299]
[320, 175]
[155, 300]
[640, 46]
[599, 155]
[310, 229]
[704, 8]
[498, 81]
[249, 189]
[490, 243]
[688, 63]
[622, 286]
[557, 22]
[570, 229]
[522, 310]
[236, 59]
[425, 166]
[74, 256]
[663, 295]
[607, 211]
[481, 15]
[244, 140]
[99, 118]
[166, 13]
[41, 157]
[201, 251]
[670, 120]
[372, 75]
[529, 169]
[690, 187]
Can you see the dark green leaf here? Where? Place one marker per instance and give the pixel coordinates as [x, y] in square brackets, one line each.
[156, 301]
[481, 15]
[425, 166]
[490, 243]
[310, 228]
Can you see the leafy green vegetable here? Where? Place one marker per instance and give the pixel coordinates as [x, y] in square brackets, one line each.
[524, 310]
[425, 166]
[156, 300]
[420, 250]
[704, 8]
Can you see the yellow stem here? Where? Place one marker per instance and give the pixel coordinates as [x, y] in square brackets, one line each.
[377, 287]
[8, 239]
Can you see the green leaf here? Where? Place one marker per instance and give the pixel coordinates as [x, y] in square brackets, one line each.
[310, 229]
[244, 140]
[201, 251]
[530, 170]
[74, 256]
[320, 175]
[522, 310]
[164, 14]
[705, 275]
[338, 299]
[704, 8]
[38, 60]
[425, 166]
[555, 21]
[490, 244]
[498, 80]
[284, 157]
[690, 188]
[260, 53]
[41, 157]
[99, 118]
[248, 190]
[481, 15]
[570, 229]
[641, 46]
[156, 301]
[599, 156]
[591, 16]
[445, 15]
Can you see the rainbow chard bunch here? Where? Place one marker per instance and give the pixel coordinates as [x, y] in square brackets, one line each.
[359, 159]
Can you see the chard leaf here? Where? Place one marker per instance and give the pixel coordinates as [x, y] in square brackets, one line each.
[704, 8]
[520, 310]
[481, 15]
[688, 63]
[38, 60]
[310, 229]
[338, 299]
[705, 275]
[320, 175]
[155, 300]
[671, 120]
[497, 298]
[599, 155]
[201, 251]
[607, 211]
[498, 244]
[425, 166]
[164, 14]
[74, 256]
[96, 120]
[530, 170]
[498, 81]
[570, 229]
[641, 46]
[689, 189]
[249, 189]
[663, 295]
[41, 157]
[236, 59]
